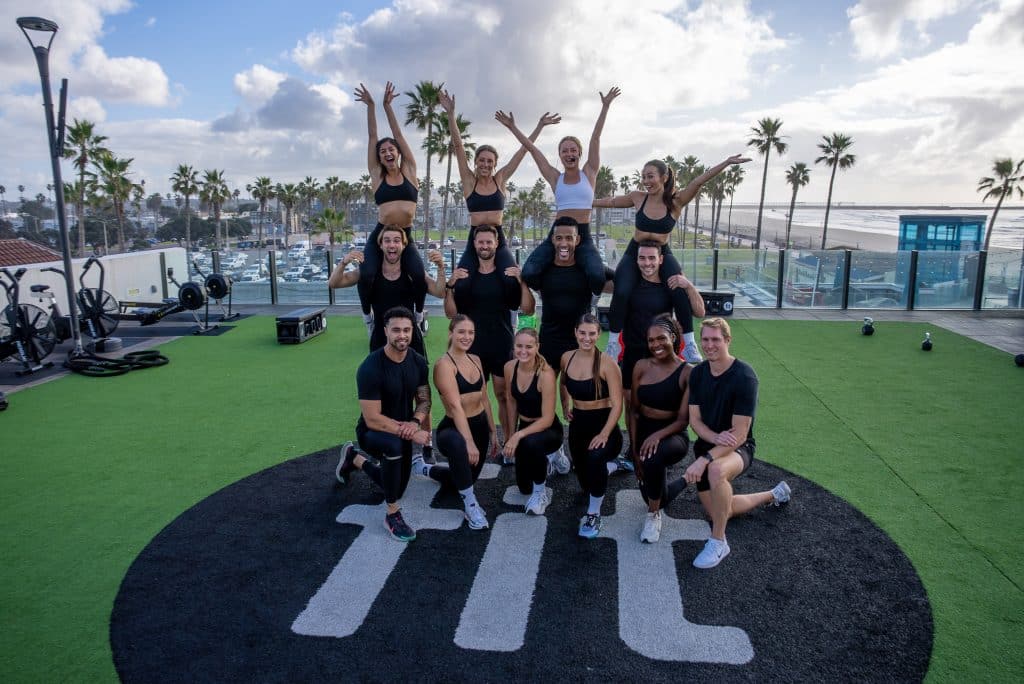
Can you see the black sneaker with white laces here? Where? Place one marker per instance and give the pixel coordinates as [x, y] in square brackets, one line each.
[346, 464]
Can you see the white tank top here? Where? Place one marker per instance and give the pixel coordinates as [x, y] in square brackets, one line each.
[576, 196]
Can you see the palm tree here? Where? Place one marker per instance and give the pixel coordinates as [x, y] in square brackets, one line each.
[687, 171]
[116, 187]
[798, 176]
[262, 191]
[625, 184]
[715, 190]
[423, 102]
[833, 153]
[3, 200]
[765, 137]
[309, 188]
[83, 145]
[184, 181]
[733, 178]
[697, 171]
[443, 145]
[1007, 178]
[331, 191]
[215, 193]
[603, 187]
[288, 195]
[333, 223]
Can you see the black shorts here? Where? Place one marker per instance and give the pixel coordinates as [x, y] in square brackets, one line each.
[746, 452]
[629, 360]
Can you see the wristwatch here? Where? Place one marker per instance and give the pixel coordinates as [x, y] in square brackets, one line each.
[708, 456]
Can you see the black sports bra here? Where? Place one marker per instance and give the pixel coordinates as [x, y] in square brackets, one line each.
[477, 202]
[528, 402]
[583, 390]
[663, 395]
[395, 193]
[664, 225]
[464, 385]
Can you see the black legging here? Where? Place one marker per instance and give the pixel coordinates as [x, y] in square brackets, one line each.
[591, 464]
[503, 257]
[532, 455]
[670, 451]
[412, 265]
[627, 273]
[459, 473]
[587, 256]
[395, 455]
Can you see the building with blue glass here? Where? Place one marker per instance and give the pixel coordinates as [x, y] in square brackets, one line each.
[931, 233]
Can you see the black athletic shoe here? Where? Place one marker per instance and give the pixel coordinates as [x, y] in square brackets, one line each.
[346, 464]
[396, 526]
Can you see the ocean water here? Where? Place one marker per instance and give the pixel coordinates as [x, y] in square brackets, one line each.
[1009, 231]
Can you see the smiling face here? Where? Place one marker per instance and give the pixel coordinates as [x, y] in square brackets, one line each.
[565, 239]
[524, 347]
[485, 163]
[714, 342]
[652, 179]
[648, 260]
[388, 155]
[392, 242]
[569, 152]
[399, 333]
[462, 335]
[586, 335]
[486, 244]
[660, 343]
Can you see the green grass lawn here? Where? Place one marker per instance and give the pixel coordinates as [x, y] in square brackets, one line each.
[926, 444]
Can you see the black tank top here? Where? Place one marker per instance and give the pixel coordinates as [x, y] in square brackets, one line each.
[528, 403]
[464, 385]
[663, 225]
[392, 193]
[477, 202]
[663, 395]
[583, 390]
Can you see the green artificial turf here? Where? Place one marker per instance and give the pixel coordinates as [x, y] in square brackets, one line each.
[926, 444]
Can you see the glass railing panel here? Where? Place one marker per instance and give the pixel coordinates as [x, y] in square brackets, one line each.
[814, 279]
[946, 280]
[752, 276]
[878, 280]
[1004, 280]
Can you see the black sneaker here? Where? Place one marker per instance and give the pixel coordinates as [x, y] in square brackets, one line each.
[346, 464]
[396, 526]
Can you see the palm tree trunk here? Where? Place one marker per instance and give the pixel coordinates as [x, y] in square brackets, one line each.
[426, 196]
[444, 204]
[760, 207]
[696, 218]
[728, 238]
[992, 221]
[80, 211]
[120, 226]
[188, 226]
[828, 202]
[789, 219]
[686, 218]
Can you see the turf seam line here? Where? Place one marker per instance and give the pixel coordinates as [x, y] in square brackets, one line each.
[891, 469]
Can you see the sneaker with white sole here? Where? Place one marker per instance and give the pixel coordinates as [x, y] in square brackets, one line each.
[590, 525]
[560, 463]
[691, 354]
[614, 347]
[652, 528]
[420, 467]
[781, 494]
[538, 502]
[624, 465]
[346, 464]
[368, 320]
[714, 551]
[476, 518]
[396, 526]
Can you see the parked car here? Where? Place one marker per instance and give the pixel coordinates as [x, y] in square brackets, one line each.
[294, 275]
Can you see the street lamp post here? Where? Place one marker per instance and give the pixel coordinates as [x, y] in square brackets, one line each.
[55, 134]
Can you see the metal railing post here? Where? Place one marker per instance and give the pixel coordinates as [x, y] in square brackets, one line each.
[781, 282]
[330, 269]
[272, 267]
[848, 256]
[912, 280]
[979, 282]
[714, 272]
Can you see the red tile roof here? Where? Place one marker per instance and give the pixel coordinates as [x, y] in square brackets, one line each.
[21, 251]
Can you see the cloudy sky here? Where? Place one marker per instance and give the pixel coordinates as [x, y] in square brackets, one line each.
[930, 90]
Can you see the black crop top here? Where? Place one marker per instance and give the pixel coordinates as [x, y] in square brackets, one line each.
[464, 385]
[528, 403]
[663, 395]
[395, 193]
[662, 226]
[583, 390]
[477, 202]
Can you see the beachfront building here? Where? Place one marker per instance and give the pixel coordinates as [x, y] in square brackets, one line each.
[926, 232]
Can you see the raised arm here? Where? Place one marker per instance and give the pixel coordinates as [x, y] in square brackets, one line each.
[436, 286]
[408, 160]
[506, 172]
[549, 172]
[594, 151]
[465, 173]
[342, 278]
[690, 191]
[619, 201]
[372, 162]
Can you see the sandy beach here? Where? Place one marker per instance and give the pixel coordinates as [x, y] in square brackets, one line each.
[773, 233]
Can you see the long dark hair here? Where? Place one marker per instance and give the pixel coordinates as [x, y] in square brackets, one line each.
[380, 143]
[589, 318]
[670, 185]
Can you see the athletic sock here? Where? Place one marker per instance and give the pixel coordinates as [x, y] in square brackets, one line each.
[538, 488]
[612, 467]
[688, 338]
[468, 497]
[595, 505]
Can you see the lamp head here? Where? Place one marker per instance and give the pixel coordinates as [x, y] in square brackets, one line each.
[39, 24]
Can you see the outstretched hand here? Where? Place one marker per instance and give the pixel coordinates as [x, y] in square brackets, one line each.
[549, 119]
[504, 119]
[390, 93]
[447, 101]
[363, 95]
[612, 94]
[737, 159]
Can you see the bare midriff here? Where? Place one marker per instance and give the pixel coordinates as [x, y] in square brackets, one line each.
[657, 414]
[490, 218]
[581, 215]
[660, 238]
[396, 213]
[592, 405]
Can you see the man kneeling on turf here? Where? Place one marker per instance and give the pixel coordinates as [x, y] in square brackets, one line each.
[394, 398]
[723, 398]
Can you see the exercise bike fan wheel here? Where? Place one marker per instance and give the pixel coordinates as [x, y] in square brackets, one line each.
[217, 286]
[43, 336]
[99, 311]
[191, 296]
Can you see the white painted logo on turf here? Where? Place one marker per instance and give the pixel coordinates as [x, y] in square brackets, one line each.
[496, 613]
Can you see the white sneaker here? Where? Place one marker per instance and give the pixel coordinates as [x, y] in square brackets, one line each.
[558, 462]
[781, 494]
[368, 320]
[420, 467]
[614, 347]
[652, 528]
[538, 502]
[692, 354]
[476, 519]
[713, 553]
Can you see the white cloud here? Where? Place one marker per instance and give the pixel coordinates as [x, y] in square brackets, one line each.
[122, 79]
[257, 84]
[879, 26]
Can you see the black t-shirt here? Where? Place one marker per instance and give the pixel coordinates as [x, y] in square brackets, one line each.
[646, 301]
[565, 296]
[393, 384]
[733, 393]
[387, 294]
[489, 299]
